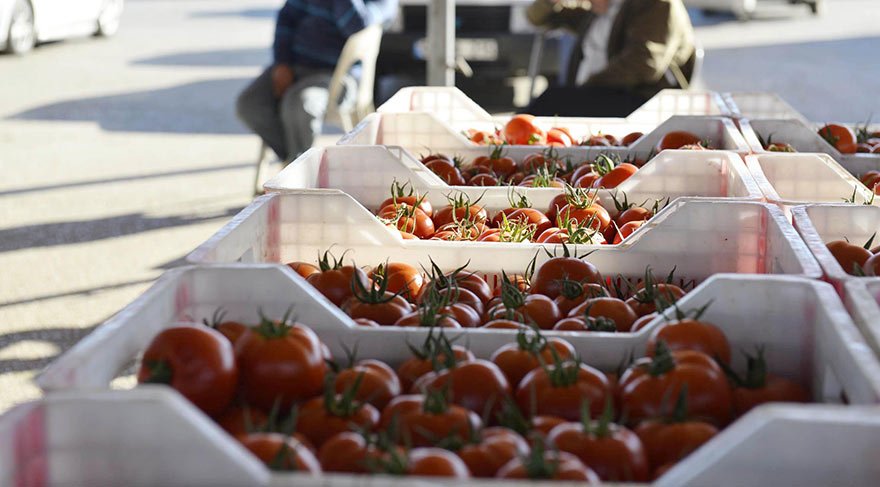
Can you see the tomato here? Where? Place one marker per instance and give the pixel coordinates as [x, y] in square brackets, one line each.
[647, 385]
[426, 420]
[435, 462]
[409, 219]
[241, 420]
[323, 417]
[541, 162]
[548, 279]
[232, 330]
[350, 452]
[404, 194]
[497, 163]
[335, 280]
[386, 310]
[613, 309]
[532, 309]
[559, 390]
[619, 174]
[483, 180]
[280, 362]
[631, 137]
[196, 361]
[598, 141]
[573, 294]
[626, 230]
[851, 257]
[587, 180]
[613, 451]
[435, 351]
[530, 351]
[643, 321]
[427, 317]
[530, 216]
[502, 324]
[521, 130]
[477, 384]
[433, 157]
[448, 173]
[496, 446]
[280, 452]
[759, 386]
[691, 334]
[304, 269]
[590, 214]
[644, 301]
[378, 382]
[450, 214]
[549, 465]
[366, 323]
[632, 214]
[402, 278]
[840, 137]
[676, 140]
[668, 442]
[870, 178]
[559, 138]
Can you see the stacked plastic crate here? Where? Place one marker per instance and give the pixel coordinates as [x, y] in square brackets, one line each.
[727, 228]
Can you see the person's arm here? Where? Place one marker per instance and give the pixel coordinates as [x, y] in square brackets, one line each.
[649, 50]
[568, 14]
[354, 15]
[282, 51]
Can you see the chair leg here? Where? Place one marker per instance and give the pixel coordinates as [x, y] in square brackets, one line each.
[261, 162]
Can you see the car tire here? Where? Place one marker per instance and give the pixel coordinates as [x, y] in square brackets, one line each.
[109, 18]
[22, 34]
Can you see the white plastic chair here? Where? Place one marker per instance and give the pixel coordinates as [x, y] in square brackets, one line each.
[361, 48]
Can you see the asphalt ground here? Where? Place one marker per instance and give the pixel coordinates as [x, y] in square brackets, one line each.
[120, 156]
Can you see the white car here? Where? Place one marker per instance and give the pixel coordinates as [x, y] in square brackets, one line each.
[23, 23]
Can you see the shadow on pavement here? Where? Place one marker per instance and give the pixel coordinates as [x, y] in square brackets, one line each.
[72, 232]
[90, 182]
[78, 292]
[804, 73]
[63, 338]
[224, 58]
[202, 107]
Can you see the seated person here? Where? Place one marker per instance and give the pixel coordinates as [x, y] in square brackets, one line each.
[627, 51]
[285, 105]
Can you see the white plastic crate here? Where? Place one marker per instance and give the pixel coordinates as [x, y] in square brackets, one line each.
[760, 105]
[820, 224]
[420, 132]
[455, 108]
[804, 138]
[862, 299]
[366, 173]
[794, 179]
[811, 339]
[699, 237]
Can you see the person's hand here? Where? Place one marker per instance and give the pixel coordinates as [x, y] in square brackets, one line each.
[282, 78]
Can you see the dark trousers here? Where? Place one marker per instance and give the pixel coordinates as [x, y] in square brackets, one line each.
[584, 101]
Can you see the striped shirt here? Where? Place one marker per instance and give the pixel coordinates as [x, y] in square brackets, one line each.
[312, 32]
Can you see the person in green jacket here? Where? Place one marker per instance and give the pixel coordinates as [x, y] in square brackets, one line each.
[626, 51]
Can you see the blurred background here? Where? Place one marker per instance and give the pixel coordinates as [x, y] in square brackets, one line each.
[120, 154]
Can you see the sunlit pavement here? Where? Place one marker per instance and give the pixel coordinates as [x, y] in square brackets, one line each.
[119, 156]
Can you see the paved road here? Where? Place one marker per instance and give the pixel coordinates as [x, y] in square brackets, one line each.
[119, 156]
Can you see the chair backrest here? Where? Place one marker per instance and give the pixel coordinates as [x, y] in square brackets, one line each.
[361, 47]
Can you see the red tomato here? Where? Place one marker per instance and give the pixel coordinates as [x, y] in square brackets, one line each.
[690, 334]
[323, 417]
[531, 309]
[280, 452]
[425, 420]
[558, 137]
[404, 194]
[196, 361]
[478, 385]
[435, 351]
[521, 130]
[613, 451]
[631, 137]
[613, 309]
[502, 324]
[530, 216]
[840, 137]
[350, 452]
[631, 214]
[435, 462]
[495, 447]
[668, 442]
[304, 269]
[851, 257]
[643, 302]
[335, 280]
[573, 294]
[378, 382]
[483, 180]
[280, 362]
[549, 277]
[561, 388]
[451, 214]
[759, 386]
[619, 174]
[548, 465]
[626, 230]
[409, 219]
[241, 420]
[402, 278]
[676, 140]
[647, 385]
[530, 351]
[449, 174]
[590, 214]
